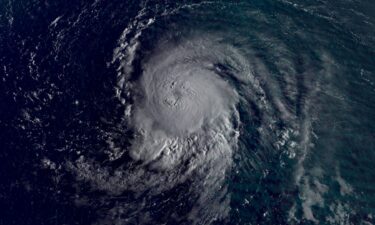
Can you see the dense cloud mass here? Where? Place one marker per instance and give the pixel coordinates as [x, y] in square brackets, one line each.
[183, 116]
[183, 97]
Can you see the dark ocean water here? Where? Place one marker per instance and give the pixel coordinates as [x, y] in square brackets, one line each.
[292, 84]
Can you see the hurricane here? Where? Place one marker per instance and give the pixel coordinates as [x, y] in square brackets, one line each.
[189, 112]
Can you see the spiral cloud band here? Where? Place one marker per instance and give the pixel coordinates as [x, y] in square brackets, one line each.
[200, 108]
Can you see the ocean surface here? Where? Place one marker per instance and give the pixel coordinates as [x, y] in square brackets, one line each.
[132, 112]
